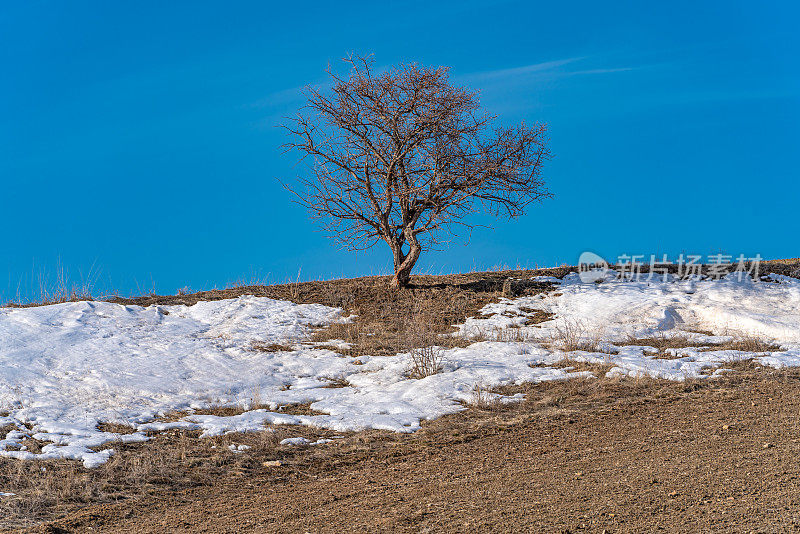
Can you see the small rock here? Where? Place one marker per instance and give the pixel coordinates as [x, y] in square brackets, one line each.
[766, 445]
[726, 427]
[272, 463]
[673, 493]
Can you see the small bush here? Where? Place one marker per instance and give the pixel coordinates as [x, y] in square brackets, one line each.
[425, 361]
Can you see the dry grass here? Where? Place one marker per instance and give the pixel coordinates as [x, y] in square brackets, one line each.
[680, 456]
[330, 292]
[513, 334]
[55, 295]
[662, 342]
[748, 343]
[116, 428]
[388, 322]
[570, 336]
[538, 316]
[597, 369]
[44, 488]
[172, 462]
[178, 462]
[56, 291]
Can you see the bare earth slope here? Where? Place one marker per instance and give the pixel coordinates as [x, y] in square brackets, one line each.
[597, 455]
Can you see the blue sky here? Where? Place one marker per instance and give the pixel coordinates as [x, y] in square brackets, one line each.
[138, 140]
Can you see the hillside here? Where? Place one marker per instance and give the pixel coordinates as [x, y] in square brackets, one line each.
[161, 395]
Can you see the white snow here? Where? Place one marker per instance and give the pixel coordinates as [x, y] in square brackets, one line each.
[66, 368]
[609, 313]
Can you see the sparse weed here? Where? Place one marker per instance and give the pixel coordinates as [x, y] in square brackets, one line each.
[511, 334]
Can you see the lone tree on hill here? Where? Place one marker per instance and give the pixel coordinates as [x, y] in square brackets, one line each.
[402, 155]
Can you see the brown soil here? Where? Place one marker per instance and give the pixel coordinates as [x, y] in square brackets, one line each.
[587, 455]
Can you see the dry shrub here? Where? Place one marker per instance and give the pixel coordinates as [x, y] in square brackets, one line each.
[425, 361]
[511, 334]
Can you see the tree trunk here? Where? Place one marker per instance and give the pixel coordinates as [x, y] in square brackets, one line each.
[400, 279]
[403, 265]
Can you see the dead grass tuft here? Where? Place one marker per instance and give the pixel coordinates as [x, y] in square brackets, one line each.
[62, 289]
[261, 346]
[336, 382]
[539, 316]
[303, 408]
[484, 399]
[571, 336]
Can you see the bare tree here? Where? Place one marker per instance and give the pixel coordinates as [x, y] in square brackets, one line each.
[402, 155]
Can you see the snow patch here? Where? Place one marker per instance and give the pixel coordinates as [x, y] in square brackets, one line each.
[66, 368]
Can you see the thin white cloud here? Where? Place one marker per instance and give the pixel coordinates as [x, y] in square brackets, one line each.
[549, 69]
[516, 71]
[601, 71]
